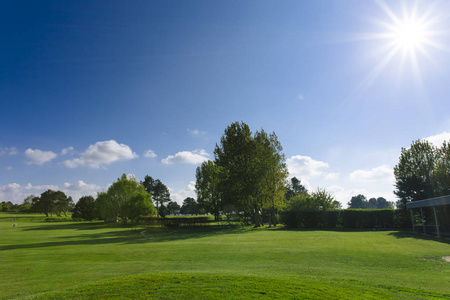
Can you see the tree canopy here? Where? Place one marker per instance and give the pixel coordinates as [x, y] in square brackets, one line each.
[125, 199]
[207, 188]
[423, 172]
[84, 208]
[52, 202]
[159, 191]
[252, 170]
[360, 201]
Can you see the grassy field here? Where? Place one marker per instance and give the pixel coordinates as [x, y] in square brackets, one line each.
[80, 260]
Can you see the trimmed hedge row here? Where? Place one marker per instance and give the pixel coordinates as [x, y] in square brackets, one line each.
[345, 218]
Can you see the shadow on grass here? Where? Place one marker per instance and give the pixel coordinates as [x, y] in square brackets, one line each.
[123, 235]
[95, 225]
[402, 234]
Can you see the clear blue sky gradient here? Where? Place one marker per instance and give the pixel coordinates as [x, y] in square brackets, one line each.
[171, 75]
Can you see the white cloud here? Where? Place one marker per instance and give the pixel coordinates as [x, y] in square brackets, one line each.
[300, 97]
[102, 153]
[39, 157]
[187, 157]
[180, 195]
[150, 154]
[383, 172]
[15, 192]
[439, 139]
[9, 168]
[332, 176]
[8, 151]
[80, 189]
[66, 150]
[305, 167]
[196, 132]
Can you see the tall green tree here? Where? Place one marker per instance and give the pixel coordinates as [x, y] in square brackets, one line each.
[173, 208]
[423, 172]
[207, 188]
[441, 176]
[295, 188]
[414, 172]
[359, 201]
[235, 158]
[125, 199]
[252, 170]
[189, 207]
[271, 172]
[159, 191]
[84, 208]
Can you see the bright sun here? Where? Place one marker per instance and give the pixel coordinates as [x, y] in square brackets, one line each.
[410, 35]
[410, 32]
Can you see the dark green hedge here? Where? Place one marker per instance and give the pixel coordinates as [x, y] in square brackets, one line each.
[345, 218]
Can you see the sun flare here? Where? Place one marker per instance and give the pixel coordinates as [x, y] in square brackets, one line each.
[410, 35]
[406, 34]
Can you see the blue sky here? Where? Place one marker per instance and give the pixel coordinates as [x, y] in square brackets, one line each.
[92, 89]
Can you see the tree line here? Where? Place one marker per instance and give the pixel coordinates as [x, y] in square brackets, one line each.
[248, 179]
[361, 202]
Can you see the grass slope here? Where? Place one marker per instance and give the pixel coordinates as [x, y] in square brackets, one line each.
[97, 260]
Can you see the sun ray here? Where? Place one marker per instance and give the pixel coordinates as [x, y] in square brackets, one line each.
[407, 37]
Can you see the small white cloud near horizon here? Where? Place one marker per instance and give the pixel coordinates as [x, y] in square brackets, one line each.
[383, 172]
[101, 154]
[16, 193]
[8, 151]
[438, 139]
[150, 154]
[180, 195]
[187, 157]
[66, 150]
[39, 157]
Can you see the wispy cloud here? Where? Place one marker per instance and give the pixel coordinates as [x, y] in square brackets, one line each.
[383, 172]
[187, 157]
[101, 154]
[8, 151]
[150, 154]
[66, 150]
[196, 132]
[39, 157]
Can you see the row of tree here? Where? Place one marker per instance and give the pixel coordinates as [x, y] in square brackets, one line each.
[361, 201]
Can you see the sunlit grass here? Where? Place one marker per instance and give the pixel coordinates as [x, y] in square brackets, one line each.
[98, 260]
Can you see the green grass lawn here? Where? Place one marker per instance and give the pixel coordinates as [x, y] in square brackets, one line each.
[97, 260]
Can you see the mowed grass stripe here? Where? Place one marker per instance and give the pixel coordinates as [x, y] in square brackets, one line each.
[213, 286]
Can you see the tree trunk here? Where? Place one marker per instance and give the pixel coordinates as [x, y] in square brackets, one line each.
[256, 218]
